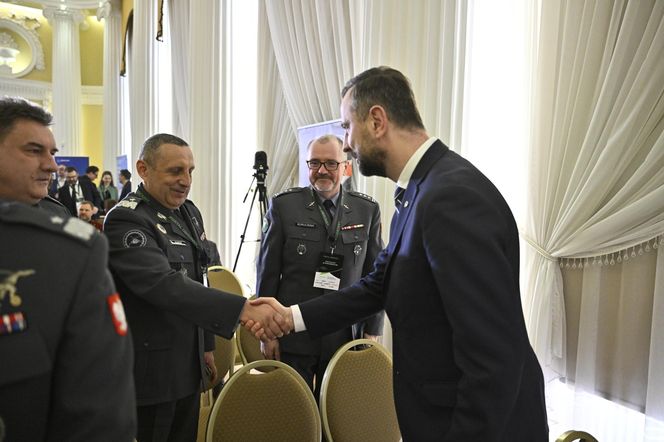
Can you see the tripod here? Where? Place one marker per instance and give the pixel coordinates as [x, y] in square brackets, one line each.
[259, 178]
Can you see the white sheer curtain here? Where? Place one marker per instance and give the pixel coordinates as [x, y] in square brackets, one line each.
[178, 19]
[426, 40]
[319, 45]
[199, 50]
[276, 133]
[311, 48]
[143, 79]
[597, 176]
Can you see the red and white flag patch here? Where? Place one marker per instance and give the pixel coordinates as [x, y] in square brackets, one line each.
[118, 314]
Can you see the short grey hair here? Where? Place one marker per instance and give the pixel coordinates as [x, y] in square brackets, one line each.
[327, 138]
[152, 145]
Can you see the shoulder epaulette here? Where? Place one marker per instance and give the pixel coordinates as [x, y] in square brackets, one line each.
[129, 202]
[16, 213]
[362, 195]
[287, 191]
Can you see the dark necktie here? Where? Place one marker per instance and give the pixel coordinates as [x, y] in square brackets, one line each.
[74, 196]
[329, 206]
[398, 197]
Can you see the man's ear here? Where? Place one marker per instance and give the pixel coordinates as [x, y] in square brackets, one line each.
[141, 168]
[377, 120]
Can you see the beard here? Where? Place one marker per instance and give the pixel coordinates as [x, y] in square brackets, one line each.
[372, 162]
[324, 184]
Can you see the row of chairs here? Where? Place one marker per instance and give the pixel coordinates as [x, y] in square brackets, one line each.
[268, 400]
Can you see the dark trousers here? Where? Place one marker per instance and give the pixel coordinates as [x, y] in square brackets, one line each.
[175, 421]
[310, 367]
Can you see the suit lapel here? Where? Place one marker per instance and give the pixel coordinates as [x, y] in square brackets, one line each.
[399, 220]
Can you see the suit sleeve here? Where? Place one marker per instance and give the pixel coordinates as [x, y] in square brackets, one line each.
[268, 267]
[93, 393]
[466, 239]
[374, 324]
[146, 270]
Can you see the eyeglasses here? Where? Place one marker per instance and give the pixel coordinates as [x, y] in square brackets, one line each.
[329, 164]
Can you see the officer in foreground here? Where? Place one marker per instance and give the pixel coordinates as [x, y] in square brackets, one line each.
[158, 258]
[64, 345]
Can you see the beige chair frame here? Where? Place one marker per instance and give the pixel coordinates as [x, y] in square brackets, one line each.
[328, 378]
[253, 369]
[574, 435]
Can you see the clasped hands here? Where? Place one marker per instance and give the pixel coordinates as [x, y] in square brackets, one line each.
[266, 318]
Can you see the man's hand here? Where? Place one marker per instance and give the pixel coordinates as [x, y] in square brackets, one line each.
[264, 321]
[209, 362]
[270, 350]
[284, 312]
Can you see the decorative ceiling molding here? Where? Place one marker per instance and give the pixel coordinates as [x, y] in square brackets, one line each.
[26, 29]
[69, 4]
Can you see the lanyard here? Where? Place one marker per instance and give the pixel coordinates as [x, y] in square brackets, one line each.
[324, 214]
[171, 218]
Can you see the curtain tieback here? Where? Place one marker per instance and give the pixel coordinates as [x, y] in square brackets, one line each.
[538, 248]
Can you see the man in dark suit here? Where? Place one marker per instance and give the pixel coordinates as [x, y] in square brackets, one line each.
[66, 370]
[299, 233]
[125, 180]
[464, 369]
[158, 260]
[87, 181]
[76, 191]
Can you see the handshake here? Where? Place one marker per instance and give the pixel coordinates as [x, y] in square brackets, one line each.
[267, 319]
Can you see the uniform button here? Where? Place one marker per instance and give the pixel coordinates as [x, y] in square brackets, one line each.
[215, 325]
[146, 344]
[356, 236]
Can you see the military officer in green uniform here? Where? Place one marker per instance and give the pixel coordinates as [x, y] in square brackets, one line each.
[66, 370]
[158, 259]
[317, 239]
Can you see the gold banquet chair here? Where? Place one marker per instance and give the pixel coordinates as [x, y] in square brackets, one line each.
[573, 435]
[222, 278]
[275, 406]
[356, 399]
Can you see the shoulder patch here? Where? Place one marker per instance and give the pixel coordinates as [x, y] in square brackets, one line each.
[362, 195]
[287, 191]
[130, 202]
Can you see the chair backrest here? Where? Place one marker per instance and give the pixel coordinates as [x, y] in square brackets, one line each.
[221, 278]
[249, 347]
[574, 435]
[275, 406]
[356, 399]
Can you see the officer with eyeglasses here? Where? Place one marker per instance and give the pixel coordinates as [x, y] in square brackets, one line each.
[317, 239]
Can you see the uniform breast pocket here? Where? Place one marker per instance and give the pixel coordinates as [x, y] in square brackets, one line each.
[355, 242]
[181, 257]
[24, 356]
[302, 241]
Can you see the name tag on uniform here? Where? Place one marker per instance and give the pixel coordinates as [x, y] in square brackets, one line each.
[328, 272]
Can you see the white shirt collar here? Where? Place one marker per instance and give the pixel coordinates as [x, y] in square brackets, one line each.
[412, 163]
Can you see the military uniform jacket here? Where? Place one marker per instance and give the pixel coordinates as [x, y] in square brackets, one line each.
[65, 353]
[294, 237]
[158, 267]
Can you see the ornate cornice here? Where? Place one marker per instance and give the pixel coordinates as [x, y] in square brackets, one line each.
[27, 29]
[76, 15]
